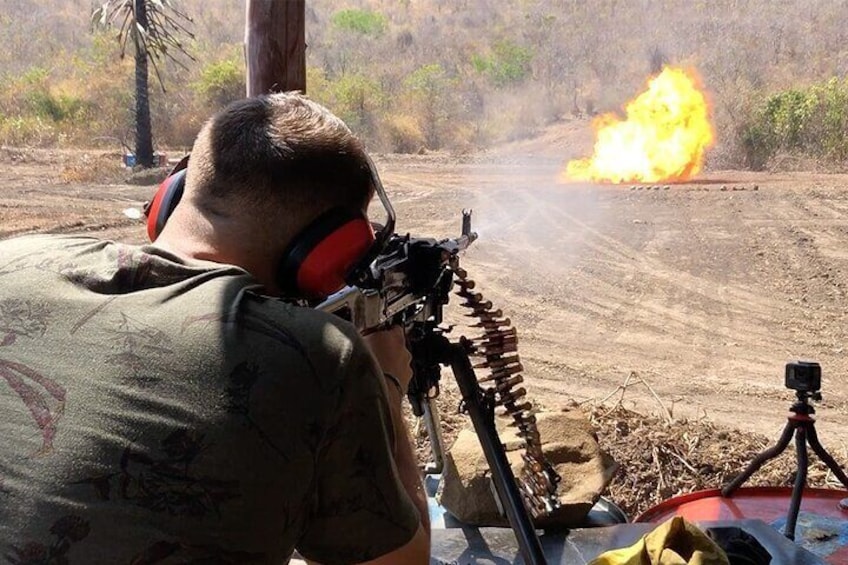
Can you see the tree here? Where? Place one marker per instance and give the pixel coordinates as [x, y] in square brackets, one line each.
[155, 28]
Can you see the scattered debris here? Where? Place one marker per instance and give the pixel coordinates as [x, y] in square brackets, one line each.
[660, 459]
[132, 213]
[659, 455]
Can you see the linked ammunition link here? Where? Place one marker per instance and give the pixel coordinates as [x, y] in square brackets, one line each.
[497, 352]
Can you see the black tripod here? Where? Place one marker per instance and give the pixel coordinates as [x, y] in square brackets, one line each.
[801, 422]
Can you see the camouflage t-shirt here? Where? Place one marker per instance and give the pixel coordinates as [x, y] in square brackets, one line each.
[156, 410]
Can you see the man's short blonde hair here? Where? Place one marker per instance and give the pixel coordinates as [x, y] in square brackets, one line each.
[280, 150]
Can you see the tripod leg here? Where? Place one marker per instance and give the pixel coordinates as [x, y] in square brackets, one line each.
[760, 460]
[800, 482]
[813, 439]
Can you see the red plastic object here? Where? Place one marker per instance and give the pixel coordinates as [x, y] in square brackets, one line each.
[763, 503]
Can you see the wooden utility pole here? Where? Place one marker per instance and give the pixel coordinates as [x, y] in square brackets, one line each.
[275, 46]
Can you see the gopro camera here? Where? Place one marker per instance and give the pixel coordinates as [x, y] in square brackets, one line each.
[803, 376]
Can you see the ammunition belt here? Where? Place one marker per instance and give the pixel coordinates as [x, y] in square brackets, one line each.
[496, 352]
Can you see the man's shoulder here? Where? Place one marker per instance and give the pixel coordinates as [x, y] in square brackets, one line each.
[45, 242]
[43, 252]
[321, 337]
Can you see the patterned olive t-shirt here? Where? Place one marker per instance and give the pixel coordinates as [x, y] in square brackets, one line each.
[155, 410]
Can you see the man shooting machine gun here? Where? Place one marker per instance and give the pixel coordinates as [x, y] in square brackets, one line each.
[408, 284]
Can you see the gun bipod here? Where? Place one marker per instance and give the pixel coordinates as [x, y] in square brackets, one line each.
[480, 406]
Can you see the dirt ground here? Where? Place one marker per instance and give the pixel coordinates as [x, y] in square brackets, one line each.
[704, 289]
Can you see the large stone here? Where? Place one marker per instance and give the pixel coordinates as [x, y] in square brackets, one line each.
[569, 443]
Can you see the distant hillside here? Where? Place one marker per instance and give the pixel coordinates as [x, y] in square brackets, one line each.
[435, 74]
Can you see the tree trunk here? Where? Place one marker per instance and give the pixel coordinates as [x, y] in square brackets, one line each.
[143, 127]
[275, 46]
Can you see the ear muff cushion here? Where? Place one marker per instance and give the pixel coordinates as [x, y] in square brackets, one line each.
[167, 197]
[318, 260]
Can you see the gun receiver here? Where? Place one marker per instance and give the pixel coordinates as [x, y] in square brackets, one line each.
[410, 281]
[409, 284]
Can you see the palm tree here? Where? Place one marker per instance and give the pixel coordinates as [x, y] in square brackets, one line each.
[155, 28]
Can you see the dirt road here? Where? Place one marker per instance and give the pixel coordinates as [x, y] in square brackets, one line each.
[705, 289]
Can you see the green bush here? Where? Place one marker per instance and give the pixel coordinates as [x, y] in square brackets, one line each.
[222, 82]
[430, 93]
[356, 99]
[364, 22]
[508, 63]
[811, 121]
[33, 94]
[56, 107]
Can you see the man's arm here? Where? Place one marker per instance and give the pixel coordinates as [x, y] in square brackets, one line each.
[390, 351]
[368, 504]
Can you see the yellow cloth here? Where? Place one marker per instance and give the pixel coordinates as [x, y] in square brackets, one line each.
[675, 542]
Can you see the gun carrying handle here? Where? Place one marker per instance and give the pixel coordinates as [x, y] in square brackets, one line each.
[360, 274]
[389, 227]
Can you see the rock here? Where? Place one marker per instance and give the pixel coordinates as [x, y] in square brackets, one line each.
[571, 446]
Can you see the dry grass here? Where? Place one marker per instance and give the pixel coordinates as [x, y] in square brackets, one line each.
[659, 456]
[96, 168]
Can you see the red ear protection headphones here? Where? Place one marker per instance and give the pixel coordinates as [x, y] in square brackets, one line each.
[167, 197]
[337, 247]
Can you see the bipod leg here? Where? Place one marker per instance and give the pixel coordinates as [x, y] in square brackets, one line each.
[813, 440]
[800, 481]
[482, 416]
[760, 460]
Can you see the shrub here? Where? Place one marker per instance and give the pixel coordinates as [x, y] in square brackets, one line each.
[222, 81]
[364, 22]
[509, 63]
[356, 99]
[56, 107]
[404, 134]
[812, 122]
[430, 94]
[26, 131]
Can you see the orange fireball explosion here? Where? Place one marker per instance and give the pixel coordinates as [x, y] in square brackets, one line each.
[663, 138]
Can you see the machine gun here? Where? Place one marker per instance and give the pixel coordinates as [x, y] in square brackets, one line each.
[408, 283]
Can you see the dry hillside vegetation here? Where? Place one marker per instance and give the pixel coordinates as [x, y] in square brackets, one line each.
[456, 75]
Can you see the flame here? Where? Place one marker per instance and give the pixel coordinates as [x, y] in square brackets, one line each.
[663, 138]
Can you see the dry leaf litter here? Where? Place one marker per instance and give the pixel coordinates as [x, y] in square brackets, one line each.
[659, 456]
